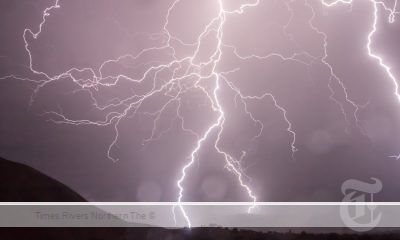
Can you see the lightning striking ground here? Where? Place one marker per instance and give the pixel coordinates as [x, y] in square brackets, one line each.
[192, 73]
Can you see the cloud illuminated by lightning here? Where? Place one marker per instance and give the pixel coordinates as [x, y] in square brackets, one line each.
[190, 72]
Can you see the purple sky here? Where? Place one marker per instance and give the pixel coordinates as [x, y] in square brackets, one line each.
[331, 148]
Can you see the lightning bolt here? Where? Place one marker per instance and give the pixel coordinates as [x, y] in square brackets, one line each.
[392, 13]
[193, 73]
[231, 163]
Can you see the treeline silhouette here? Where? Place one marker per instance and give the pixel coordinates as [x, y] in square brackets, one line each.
[240, 234]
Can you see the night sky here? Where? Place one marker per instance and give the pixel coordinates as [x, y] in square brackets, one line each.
[45, 128]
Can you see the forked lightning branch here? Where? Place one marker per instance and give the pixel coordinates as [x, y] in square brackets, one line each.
[196, 72]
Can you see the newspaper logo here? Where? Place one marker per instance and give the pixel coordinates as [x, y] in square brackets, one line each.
[361, 217]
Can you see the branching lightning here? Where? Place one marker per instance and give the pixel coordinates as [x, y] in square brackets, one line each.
[190, 73]
[392, 13]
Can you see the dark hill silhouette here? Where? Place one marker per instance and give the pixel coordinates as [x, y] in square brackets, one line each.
[21, 183]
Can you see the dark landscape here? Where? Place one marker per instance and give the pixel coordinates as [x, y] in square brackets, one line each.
[20, 183]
